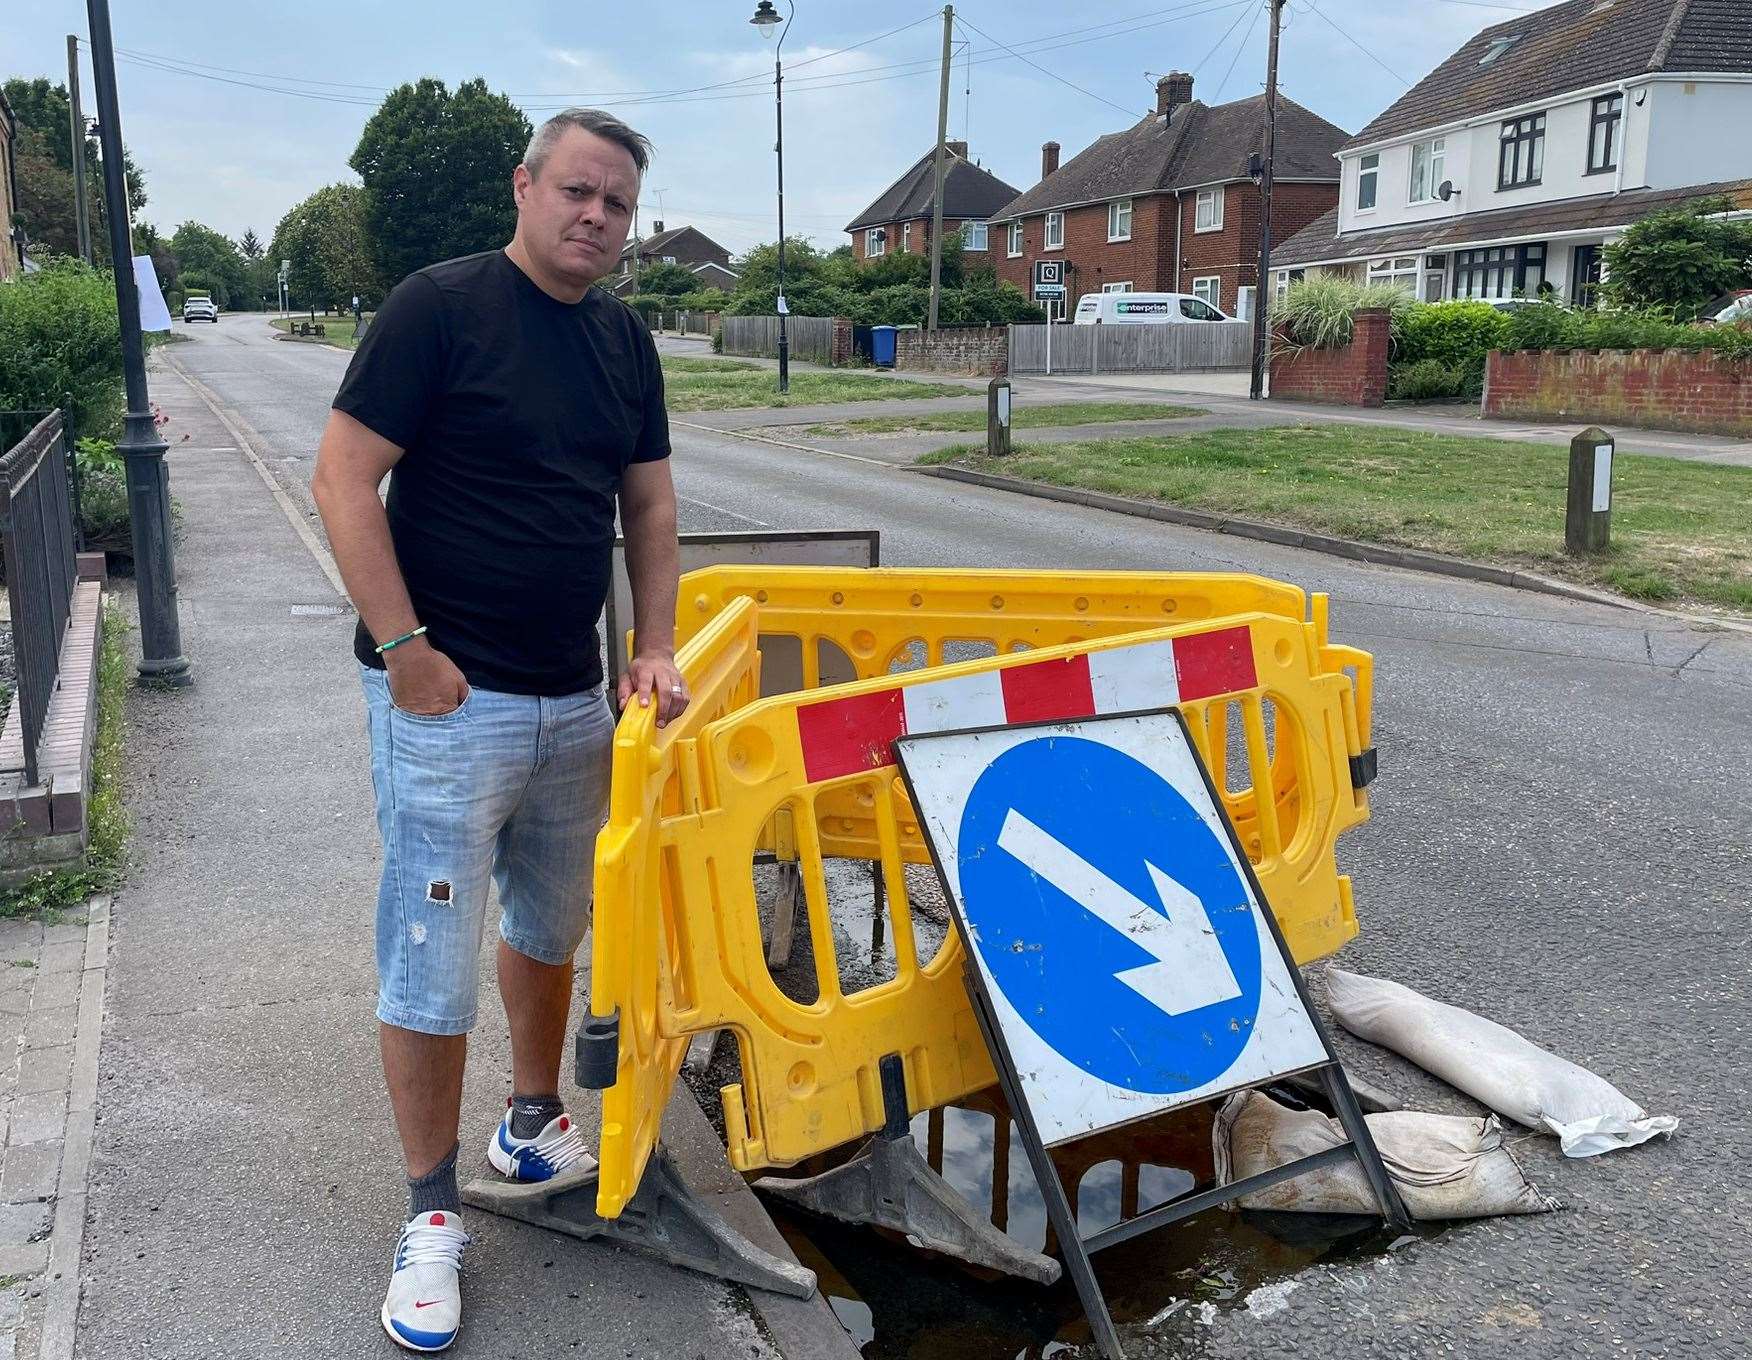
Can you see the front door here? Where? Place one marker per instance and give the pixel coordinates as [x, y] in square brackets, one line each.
[1585, 276]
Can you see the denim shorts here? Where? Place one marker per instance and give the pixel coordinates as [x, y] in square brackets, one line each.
[509, 789]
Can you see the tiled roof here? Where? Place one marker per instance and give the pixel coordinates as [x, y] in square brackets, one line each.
[1319, 242]
[968, 191]
[1570, 47]
[1198, 145]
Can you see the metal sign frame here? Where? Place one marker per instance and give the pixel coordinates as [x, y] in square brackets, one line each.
[1049, 273]
[788, 548]
[1078, 1249]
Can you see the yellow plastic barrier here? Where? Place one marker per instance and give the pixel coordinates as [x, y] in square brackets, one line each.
[679, 946]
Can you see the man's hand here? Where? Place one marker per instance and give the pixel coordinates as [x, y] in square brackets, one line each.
[653, 674]
[423, 680]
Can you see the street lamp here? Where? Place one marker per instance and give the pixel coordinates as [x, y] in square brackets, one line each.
[766, 19]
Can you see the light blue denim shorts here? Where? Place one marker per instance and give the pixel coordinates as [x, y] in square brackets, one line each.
[508, 789]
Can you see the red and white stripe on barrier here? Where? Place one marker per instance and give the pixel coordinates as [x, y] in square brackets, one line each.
[853, 735]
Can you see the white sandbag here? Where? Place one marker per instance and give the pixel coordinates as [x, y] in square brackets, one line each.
[1494, 1065]
[1446, 1166]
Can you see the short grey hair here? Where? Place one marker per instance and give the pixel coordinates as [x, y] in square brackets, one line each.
[602, 124]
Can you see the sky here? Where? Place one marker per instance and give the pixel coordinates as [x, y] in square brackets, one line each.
[269, 100]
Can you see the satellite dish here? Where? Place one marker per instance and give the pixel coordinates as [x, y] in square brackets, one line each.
[1446, 190]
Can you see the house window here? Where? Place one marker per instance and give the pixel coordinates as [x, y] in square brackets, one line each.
[1117, 287]
[1208, 289]
[875, 242]
[1400, 270]
[1585, 276]
[1282, 281]
[1604, 129]
[973, 236]
[1368, 172]
[1055, 231]
[1500, 271]
[1497, 47]
[1208, 215]
[906, 236]
[1521, 160]
[1429, 167]
[1119, 213]
[1015, 248]
[1435, 278]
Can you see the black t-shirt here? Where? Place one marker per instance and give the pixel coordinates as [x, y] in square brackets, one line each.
[518, 415]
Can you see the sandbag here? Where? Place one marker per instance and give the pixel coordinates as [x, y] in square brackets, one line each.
[1446, 1166]
[1494, 1065]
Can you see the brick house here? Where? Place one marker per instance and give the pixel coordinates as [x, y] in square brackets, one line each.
[1167, 205]
[900, 218]
[688, 247]
[10, 261]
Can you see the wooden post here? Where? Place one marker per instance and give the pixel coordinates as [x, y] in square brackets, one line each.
[997, 418]
[1587, 522]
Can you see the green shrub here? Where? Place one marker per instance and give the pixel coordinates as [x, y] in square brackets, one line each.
[1552, 326]
[103, 502]
[1317, 312]
[1427, 380]
[1453, 332]
[59, 334]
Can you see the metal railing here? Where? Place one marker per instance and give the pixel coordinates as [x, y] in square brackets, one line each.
[38, 551]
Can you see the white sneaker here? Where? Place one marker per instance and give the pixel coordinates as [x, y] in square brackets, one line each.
[423, 1310]
[558, 1147]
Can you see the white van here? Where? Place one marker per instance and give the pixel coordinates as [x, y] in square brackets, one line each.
[1144, 309]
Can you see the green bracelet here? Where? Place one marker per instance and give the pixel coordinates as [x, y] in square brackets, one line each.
[393, 643]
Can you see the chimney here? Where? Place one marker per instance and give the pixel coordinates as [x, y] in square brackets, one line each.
[1173, 90]
[657, 227]
[957, 149]
[1048, 158]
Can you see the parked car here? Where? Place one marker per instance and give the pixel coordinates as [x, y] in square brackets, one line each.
[1517, 304]
[1144, 309]
[1730, 309]
[200, 309]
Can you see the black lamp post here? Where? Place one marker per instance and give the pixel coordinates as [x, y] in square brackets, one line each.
[766, 19]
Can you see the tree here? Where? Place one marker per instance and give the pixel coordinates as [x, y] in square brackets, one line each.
[44, 155]
[668, 279]
[201, 251]
[325, 239]
[1680, 258]
[437, 171]
[251, 245]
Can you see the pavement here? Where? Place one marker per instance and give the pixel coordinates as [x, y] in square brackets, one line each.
[1558, 841]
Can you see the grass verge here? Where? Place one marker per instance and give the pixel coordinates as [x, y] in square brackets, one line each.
[337, 330]
[1021, 418]
[1680, 531]
[106, 854]
[725, 385]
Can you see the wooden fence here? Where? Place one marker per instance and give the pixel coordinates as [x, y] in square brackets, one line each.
[811, 337]
[1169, 348]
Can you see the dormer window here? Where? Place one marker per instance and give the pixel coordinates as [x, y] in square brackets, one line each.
[1497, 47]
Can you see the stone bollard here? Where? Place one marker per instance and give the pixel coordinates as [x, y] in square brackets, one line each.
[1587, 522]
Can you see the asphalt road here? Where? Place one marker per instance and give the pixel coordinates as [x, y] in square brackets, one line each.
[1559, 841]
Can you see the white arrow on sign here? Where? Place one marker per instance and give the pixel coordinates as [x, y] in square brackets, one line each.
[1190, 972]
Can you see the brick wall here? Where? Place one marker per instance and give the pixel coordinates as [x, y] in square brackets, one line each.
[982, 350]
[1147, 260]
[1355, 375]
[921, 239]
[1666, 389]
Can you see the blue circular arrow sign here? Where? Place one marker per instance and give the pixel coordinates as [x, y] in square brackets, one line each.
[1110, 915]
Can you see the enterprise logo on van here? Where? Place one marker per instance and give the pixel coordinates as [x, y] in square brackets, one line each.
[1144, 308]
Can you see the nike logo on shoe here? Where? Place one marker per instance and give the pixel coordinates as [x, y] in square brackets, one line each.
[427, 1303]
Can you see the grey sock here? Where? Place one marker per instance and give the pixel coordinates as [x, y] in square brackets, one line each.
[531, 1114]
[436, 1189]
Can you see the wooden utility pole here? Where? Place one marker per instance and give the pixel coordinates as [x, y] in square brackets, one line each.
[942, 157]
[1262, 289]
[76, 129]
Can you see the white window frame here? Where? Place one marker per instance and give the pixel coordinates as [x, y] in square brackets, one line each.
[1435, 156]
[1054, 219]
[1013, 247]
[1208, 289]
[1116, 210]
[1125, 287]
[1372, 173]
[874, 242]
[973, 236]
[1213, 220]
[1247, 292]
[1399, 270]
[906, 236]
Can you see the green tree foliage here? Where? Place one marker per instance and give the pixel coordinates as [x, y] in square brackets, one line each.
[667, 279]
[44, 157]
[251, 245]
[58, 333]
[325, 239]
[1679, 259]
[437, 170]
[215, 258]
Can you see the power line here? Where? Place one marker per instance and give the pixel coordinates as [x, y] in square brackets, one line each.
[1321, 14]
[1227, 34]
[1061, 80]
[1245, 39]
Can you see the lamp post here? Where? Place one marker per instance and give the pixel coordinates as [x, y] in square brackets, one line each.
[766, 19]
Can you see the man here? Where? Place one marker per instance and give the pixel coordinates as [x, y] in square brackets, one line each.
[512, 405]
